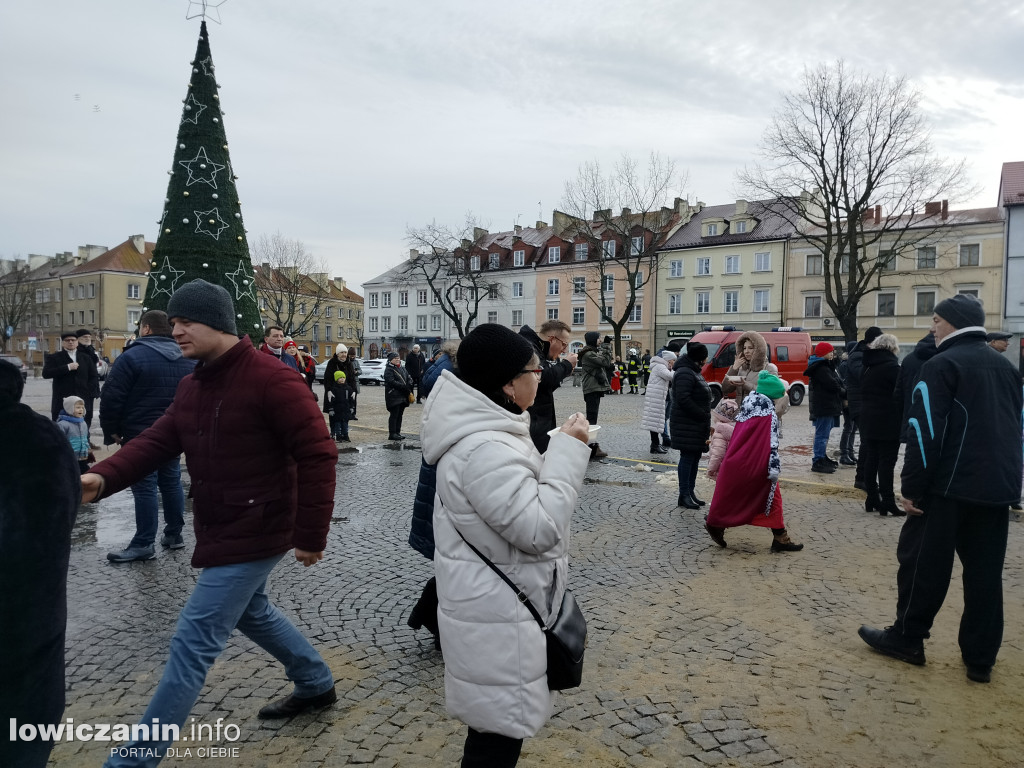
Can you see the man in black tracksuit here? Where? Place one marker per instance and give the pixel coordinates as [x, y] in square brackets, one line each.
[551, 342]
[961, 472]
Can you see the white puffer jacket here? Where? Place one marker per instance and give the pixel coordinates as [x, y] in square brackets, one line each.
[653, 419]
[514, 505]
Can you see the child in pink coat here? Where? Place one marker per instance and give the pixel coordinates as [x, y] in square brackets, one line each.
[723, 421]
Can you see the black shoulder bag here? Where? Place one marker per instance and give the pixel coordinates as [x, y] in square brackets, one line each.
[566, 639]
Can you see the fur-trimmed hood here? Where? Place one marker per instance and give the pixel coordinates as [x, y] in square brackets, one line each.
[760, 349]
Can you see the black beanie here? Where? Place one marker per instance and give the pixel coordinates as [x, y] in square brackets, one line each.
[696, 351]
[961, 311]
[11, 384]
[206, 303]
[872, 333]
[590, 337]
[491, 356]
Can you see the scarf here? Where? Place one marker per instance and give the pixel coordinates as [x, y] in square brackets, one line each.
[756, 405]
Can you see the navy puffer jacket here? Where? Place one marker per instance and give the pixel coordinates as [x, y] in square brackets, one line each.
[140, 386]
[421, 533]
[690, 422]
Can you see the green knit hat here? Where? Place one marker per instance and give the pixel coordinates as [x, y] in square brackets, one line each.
[339, 375]
[770, 385]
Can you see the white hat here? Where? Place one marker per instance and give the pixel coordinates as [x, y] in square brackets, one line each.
[341, 349]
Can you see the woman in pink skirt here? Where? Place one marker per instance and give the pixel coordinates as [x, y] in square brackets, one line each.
[746, 492]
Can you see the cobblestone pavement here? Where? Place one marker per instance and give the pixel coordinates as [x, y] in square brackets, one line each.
[697, 655]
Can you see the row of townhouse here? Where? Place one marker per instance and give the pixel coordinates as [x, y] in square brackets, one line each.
[739, 264]
[101, 290]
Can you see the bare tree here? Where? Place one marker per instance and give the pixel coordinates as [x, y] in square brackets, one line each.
[621, 245]
[848, 161]
[291, 281]
[16, 297]
[455, 268]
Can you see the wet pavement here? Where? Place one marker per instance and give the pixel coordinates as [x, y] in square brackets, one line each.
[696, 655]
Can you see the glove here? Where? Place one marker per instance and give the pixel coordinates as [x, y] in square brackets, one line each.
[607, 339]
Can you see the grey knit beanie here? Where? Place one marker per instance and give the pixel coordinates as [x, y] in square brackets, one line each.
[206, 303]
[961, 311]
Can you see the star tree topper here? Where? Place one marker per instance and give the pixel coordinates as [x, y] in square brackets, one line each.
[205, 9]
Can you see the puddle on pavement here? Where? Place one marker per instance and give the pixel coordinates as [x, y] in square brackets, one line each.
[799, 450]
[599, 481]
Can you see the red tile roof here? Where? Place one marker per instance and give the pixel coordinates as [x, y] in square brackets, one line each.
[1011, 184]
[121, 258]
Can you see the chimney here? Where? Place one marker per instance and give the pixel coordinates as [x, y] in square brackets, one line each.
[339, 283]
[878, 214]
[945, 209]
[479, 232]
[517, 229]
[413, 254]
[626, 213]
[541, 225]
[932, 209]
[741, 207]
[139, 241]
[602, 215]
[868, 216]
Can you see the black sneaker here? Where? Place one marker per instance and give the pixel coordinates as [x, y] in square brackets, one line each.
[823, 466]
[831, 461]
[891, 644]
[172, 542]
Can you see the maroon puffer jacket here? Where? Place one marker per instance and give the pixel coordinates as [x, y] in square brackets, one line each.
[261, 461]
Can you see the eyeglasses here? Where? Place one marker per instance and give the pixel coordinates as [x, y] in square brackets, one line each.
[535, 371]
[560, 340]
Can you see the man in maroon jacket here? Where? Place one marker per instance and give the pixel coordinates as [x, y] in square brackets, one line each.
[262, 467]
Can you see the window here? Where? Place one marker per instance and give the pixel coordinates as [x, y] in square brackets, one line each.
[739, 227]
[579, 286]
[636, 246]
[926, 257]
[552, 288]
[471, 294]
[134, 315]
[403, 298]
[302, 308]
[763, 262]
[492, 317]
[606, 314]
[459, 265]
[553, 313]
[517, 290]
[385, 323]
[712, 229]
[886, 305]
[638, 280]
[92, 317]
[92, 290]
[327, 332]
[457, 293]
[761, 297]
[81, 291]
[963, 291]
[703, 302]
[518, 258]
[675, 268]
[704, 265]
[608, 248]
[812, 306]
[316, 333]
[579, 316]
[609, 283]
[636, 314]
[474, 263]
[385, 299]
[732, 301]
[81, 316]
[581, 250]
[39, 295]
[373, 301]
[435, 322]
[492, 291]
[71, 294]
[373, 325]
[812, 266]
[433, 298]
[327, 312]
[403, 323]
[421, 322]
[56, 294]
[844, 264]
[970, 255]
[925, 303]
[732, 265]
[517, 317]
[421, 297]
[494, 261]
[675, 303]
[554, 254]
[133, 293]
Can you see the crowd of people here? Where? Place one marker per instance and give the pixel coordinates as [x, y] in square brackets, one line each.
[499, 481]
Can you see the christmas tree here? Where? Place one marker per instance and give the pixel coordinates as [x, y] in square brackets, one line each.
[201, 230]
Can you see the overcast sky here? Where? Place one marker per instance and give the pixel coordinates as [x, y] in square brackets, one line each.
[350, 121]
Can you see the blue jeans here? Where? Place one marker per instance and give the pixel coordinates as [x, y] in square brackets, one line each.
[147, 515]
[822, 428]
[225, 597]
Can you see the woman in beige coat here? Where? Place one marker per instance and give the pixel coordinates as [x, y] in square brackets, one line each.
[751, 358]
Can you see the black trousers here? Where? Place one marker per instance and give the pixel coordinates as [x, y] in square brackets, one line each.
[878, 458]
[395, 420]
[490, 750]
[593, 401]
[977, 534]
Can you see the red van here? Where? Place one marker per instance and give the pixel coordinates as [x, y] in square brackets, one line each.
[788, 349]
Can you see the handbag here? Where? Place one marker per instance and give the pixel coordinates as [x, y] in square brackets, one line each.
[566, 638]
[412, 398]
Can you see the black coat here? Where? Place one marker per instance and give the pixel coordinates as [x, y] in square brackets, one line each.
[415, 362]
[880, 409]
[39, 495]
[542, 412]
[963, 434]
[421, 532]
[909, 373]
[690, 420]
[852, 379]
[826, 392]
[397, 386]
[80, 382]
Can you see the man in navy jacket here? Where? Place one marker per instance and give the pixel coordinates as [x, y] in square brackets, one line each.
[961, 472]
[139, 389]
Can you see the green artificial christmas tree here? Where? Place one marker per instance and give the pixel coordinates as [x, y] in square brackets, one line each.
[201, 230]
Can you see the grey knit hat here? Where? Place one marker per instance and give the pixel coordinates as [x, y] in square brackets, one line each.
[961, 311]
[206, 303]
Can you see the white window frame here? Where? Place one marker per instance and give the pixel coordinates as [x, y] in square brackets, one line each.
[552, 313]
[403, 323]
[762, 299]
[636, 245]
[638, 280]
[421, 297]
[675, 268]
[553, 287]
[609, 283]
[133, 291]
[581, 251]
[474, 263]
[372, 324]
[732, 264]
[518, 258]
[636, 314]
[385, 300]
[740, 227]
[817, 298]
[493, 260]
[730, 298]
[373, 301]
[517, 317]
[702, 302]
[517, 290]
[763, 261]
[608, 249]
[435, 322]
[554, 254]
[924, 249]
[385, 324]
[492, 316]
[421, 323]
[703, 266]
[403, 298]
[579, 286]
[712, 230]
[960, 254]
[675, 303]
[918, 292]
[819, 258]
[878, 303]
[579, 316]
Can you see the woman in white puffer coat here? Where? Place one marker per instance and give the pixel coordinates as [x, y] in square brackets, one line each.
[514, 505]
[653, 418]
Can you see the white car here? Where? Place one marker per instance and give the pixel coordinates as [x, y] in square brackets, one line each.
[372, 371]
[321, 369]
